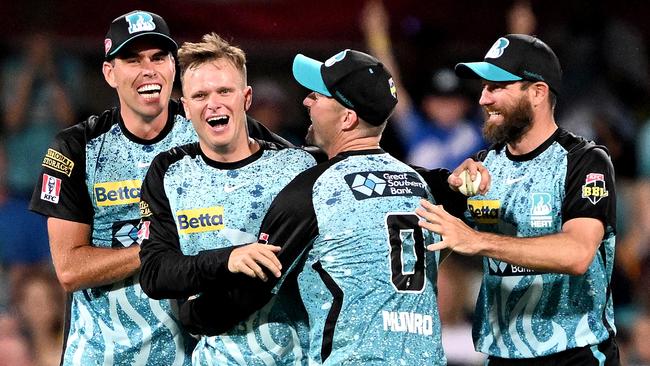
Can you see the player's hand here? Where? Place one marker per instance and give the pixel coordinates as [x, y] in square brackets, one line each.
[249, 260]
[456, 235]
[474, 168]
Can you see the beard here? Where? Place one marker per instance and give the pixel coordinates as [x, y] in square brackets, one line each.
[516, 122]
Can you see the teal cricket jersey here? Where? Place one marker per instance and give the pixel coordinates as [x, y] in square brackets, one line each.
[192, 205]
[522, 313]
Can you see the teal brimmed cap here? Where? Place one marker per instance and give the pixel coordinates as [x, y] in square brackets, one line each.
[516, 57]
[355, 79]
[135, 25]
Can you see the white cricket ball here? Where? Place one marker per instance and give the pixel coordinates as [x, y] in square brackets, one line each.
[469, 188]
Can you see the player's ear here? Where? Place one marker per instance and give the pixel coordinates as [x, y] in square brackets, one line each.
[350, 120]
[540, 92]
[109, 74]
[188, 114]
[248, 97]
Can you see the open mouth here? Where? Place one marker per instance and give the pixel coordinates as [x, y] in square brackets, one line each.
[150, 90]
[218, 121]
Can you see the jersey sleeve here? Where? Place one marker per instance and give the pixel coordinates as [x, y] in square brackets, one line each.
[290, 223]
[61, 190]
[165, 271]
[589, 187]
[454, 202]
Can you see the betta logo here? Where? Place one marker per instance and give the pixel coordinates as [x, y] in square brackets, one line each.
[484, 211]
[200, 220]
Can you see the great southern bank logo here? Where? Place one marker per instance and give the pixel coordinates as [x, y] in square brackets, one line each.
[378, 184]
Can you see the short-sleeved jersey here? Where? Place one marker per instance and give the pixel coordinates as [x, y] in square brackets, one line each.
[522, 313]
[192, 204]
[367, 282]
[92, 174]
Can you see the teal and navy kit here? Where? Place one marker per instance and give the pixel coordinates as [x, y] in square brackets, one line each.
[522, 313]
[92, 174]
[349, 234]
[192, 205]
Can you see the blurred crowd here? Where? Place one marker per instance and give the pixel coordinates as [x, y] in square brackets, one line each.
[604, 97]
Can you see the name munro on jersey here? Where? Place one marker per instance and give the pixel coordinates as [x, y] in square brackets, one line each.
[200, 220]
[117, 193]
[402, 321]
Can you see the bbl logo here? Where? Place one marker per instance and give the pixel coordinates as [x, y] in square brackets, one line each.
[594, 188]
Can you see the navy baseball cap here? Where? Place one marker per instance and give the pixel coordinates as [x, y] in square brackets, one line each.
[135, 25]
[355, 79]
[516, 57]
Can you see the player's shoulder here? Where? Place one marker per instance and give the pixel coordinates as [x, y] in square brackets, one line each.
[579, 148]
[289, 152]
[168, 157]
[73, 139]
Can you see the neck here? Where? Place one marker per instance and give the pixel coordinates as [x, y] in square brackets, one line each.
[230, 154]
[144, 128]
[539, 132]
[353, 144]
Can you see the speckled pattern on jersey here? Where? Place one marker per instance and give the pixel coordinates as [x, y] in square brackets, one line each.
[378, 324]
[117, 324]
[232, 204]
[522, 313]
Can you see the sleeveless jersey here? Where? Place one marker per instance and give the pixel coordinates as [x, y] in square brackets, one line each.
[192, 204]
[92, 174]
[522, 313]
[367, 282]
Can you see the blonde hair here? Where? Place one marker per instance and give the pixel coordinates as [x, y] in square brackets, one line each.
[212, 47]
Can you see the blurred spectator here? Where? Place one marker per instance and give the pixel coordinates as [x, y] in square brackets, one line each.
[39, 304]
[270, 105]
[439, 133]
[643, 143]
[14, 348]
[23, 234]
[37, 91]
[457, 291]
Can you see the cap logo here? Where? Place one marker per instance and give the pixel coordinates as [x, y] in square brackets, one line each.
[497, 48]
[393, 88]
[140, 22]
[107, 45]
[336, 58]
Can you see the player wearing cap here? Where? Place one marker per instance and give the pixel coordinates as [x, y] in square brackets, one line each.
[213, 194]
[348, 231]
[546, 227]
[90, 189]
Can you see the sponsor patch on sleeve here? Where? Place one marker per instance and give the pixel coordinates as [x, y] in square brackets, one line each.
[58, 162]
[379, 184]
[594, 188]
[264, 238]
[51, 188]
[145, 211]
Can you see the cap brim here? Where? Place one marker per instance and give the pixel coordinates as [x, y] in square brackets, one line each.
[172, 46]
[307, 72]
[484, 70]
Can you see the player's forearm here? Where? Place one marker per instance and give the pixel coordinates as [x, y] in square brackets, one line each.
[87, 266]
[167, 273]
[557, 253]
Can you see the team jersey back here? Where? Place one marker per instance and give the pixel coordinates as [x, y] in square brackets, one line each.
[216, 205]
[92, 174]
[522, 313]
[367, 281]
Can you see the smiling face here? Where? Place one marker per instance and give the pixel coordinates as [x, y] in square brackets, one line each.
[216, 98]
[508, 111]
[143, 76]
